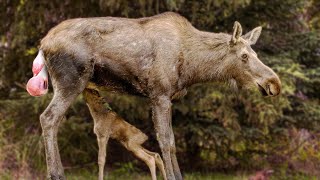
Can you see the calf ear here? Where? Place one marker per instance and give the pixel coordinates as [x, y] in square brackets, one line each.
[237, 32]
[253, 36]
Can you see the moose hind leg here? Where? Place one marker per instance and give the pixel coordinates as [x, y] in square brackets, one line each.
[50, 120]
[68, 80]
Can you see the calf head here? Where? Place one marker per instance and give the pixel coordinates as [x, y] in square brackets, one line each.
[245, 68]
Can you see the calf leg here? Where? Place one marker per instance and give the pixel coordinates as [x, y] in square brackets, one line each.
[102, 125]
[102, 143]
[145, 157]
[159, 163]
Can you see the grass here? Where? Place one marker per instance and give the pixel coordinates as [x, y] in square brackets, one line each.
[128, 174]
[145, 176]
[122, 175]
[87, 175]
[189, 176]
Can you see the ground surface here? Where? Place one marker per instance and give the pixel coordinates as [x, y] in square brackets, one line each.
[192, 176]
[93, 175]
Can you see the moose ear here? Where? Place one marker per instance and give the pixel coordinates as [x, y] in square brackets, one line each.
[237, 32]
[253, 36]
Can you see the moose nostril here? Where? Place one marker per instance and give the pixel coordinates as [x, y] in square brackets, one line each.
[269, 89]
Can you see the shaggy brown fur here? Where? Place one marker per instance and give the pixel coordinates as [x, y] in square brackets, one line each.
[155, 57]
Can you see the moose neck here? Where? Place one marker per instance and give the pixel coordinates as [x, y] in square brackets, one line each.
[204, 55]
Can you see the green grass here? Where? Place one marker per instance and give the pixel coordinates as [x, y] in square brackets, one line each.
[145, 176]
[85, 174]
[189, 176]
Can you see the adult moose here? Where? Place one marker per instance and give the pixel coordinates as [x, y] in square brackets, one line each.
[155, 57]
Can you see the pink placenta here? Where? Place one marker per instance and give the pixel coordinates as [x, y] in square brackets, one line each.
[38, 84]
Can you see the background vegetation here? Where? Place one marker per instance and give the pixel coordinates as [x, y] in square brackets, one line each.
[215, 128]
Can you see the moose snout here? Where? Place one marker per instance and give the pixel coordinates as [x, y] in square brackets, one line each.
[268, 81]
[272, 87]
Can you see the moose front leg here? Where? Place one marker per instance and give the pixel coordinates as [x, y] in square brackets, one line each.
[161, 114]
[175, 165]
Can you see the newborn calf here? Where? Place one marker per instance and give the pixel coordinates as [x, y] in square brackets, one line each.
[108, 124]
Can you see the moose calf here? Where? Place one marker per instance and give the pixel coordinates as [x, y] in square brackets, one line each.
[108, 124]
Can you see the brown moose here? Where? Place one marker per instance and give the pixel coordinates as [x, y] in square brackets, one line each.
[155, 57]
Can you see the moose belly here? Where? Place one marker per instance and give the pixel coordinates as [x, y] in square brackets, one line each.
[107, 80]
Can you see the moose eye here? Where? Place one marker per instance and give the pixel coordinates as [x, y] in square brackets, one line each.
[244, 56]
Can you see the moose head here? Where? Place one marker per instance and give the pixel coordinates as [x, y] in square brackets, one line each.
[245, 68]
